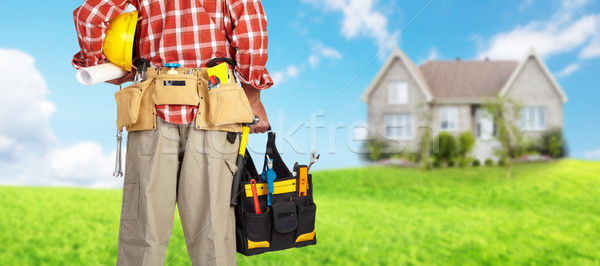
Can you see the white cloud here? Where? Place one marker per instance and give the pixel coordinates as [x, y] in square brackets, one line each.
[277, 77]
[82, 163]
[27, 155]
[548, 38]
[434, 54]
[314, 60]
[573, 4]
[292, 71]
[24, 109]
[360, 19]
[526, 4]
[331, 53]
[319, 50]
[595, 154]
[592, 50]
[568, 70]
[281, 76]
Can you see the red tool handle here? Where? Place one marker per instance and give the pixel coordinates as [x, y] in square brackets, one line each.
[255, 196]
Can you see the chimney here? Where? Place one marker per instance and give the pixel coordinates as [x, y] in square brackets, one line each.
[457, 58]
[486, 59]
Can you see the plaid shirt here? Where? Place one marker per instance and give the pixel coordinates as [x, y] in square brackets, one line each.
[186, 32]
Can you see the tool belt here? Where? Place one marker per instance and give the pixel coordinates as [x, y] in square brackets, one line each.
[290, 220]
[222, 108]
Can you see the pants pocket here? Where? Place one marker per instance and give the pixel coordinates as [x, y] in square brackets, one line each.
[306, 223]
[131, 195]
[258, 229]
[177, 89]
[228, 104]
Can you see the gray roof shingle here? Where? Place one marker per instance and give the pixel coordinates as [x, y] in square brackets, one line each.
[466, 79]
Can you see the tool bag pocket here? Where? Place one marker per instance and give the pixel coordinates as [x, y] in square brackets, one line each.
[258, 229]
[228, 104]
[306, 223]
[176, 89]
[129, 100]
[284, 217]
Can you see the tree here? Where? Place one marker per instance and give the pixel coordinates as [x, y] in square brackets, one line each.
[506, 113]
[466, 142]
[425, 146]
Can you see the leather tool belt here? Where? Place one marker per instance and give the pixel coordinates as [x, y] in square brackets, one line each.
[223, 108]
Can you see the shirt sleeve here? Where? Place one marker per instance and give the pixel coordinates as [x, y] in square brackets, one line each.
[249, 39]
[91, 21]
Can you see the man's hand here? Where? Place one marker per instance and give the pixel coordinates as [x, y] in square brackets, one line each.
[258, 109]
[121, 80]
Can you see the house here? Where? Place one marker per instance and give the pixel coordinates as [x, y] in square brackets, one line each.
[405, 100]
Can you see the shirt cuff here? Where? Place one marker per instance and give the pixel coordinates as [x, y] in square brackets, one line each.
[260, 80]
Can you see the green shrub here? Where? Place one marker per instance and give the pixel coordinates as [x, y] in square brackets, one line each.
[451, 163]
[476, 162]
[489, 162]
[446, 143]
[502, 162]
[436, 164]
[377, 149]
[554, 146]
[466, 142]
[464, 162]
[550, 143]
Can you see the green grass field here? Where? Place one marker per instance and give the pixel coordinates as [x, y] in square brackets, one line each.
[545, 214]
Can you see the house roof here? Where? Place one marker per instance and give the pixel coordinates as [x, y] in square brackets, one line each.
[466, 79]
[534, 56]
[412, 70]
[463, 81]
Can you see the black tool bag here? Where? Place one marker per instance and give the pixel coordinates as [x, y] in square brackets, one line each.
[288, 223]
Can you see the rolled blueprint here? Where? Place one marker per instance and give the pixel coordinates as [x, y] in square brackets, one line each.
[100, 73]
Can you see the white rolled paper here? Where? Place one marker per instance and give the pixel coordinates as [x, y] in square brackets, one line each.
[100, 73]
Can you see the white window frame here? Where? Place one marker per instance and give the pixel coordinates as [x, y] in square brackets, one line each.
[449, 118]
[399, 126]
[398, 92]
[533, 118]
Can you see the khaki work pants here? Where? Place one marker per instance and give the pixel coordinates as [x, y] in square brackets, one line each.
[178, 164]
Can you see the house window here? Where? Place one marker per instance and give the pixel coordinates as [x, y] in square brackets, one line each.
[533, 118]
[449, 118]
[398, 92]
[398, 126]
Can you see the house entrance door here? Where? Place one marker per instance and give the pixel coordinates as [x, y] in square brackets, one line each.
[485, 124]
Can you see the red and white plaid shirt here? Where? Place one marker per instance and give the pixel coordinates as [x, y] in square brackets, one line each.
[190, 33]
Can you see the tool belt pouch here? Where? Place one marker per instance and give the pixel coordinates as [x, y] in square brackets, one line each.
[290, 220]
[176, 89]
[129, 101]
[228, 104]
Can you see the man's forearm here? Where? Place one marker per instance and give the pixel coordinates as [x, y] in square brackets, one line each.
[258, 109]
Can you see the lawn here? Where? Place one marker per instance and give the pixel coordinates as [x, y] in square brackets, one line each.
[545, 214]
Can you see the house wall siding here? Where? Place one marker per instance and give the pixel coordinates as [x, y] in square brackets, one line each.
[378, 104]
[533, 88]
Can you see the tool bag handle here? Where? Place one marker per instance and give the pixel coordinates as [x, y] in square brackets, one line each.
[281, 170]
[215, 61]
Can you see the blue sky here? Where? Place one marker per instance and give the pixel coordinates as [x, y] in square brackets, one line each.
[323, 55]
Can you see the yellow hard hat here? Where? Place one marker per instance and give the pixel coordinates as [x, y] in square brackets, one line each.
[118, 43]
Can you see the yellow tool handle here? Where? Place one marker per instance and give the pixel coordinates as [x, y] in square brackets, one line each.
[244, 140]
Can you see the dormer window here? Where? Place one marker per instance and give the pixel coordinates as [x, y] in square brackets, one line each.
[398, 92]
